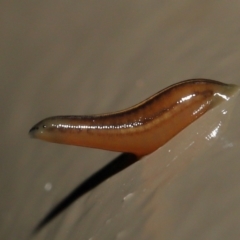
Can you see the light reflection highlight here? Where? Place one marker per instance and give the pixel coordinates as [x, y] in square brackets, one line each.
[224, 111]
[222, 96]
[199, 109]
[100, 127]
[214, 133]
[183, 99]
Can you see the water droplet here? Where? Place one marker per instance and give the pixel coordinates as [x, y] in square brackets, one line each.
[129, 196]
[224, 111]
[48, 186]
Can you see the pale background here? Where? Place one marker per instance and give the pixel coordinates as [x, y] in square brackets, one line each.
[84, 57]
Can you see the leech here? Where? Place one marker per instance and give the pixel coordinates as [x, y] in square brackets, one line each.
[140, 129]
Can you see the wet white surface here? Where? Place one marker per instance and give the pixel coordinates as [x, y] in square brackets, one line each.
[82, 58]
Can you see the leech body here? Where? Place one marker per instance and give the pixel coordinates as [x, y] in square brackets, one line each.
[142, 128]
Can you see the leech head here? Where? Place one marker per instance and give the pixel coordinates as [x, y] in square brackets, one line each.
[61, 129]
[38, 129]
[44, 129]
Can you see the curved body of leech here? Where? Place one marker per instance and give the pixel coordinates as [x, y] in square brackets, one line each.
[142, 128]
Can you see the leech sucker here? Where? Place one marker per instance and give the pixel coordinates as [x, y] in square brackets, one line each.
[140, 129]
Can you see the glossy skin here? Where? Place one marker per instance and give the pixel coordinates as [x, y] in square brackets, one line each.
[142, 128]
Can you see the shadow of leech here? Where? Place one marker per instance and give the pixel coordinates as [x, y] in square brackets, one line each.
[117, 165]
